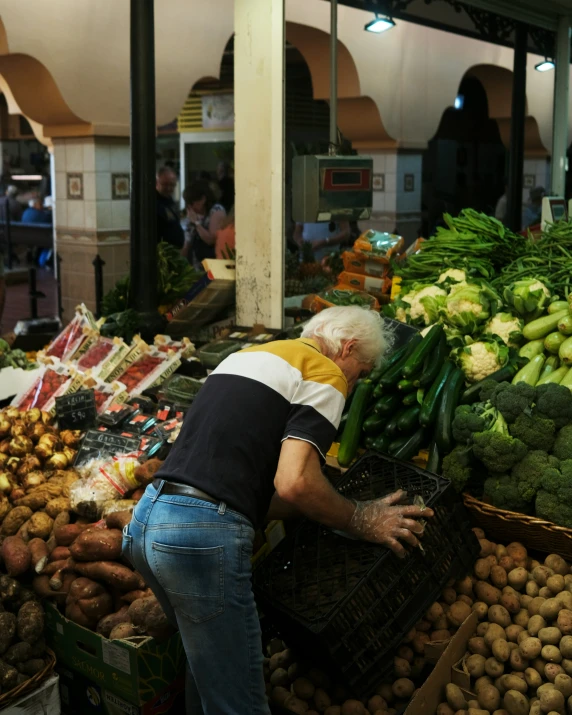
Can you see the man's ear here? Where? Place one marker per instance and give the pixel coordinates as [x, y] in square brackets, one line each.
[348, 348]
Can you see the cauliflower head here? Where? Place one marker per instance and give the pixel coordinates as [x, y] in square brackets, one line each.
[424, 304]
[452, 275]
[468, 306]
[481, 359]
[528, 297]
[507, 327]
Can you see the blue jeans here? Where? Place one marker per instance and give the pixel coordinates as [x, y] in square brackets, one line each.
[195, 556]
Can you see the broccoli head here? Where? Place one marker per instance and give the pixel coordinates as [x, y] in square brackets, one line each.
[531, 470]
[552, 508]
[457, 467]
[563, 444]
[498, 451]
[554, 402]
[479, 417]
[536, 432]
[488, 389]
[502, 491]
[511, 400]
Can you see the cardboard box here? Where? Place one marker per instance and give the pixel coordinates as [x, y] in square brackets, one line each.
[44, 699]
[432, 692]
[136, 669]
[81, 695]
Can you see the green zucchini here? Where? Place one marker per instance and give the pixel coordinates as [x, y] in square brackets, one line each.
[381, 443]
[553, 342]
[552, 363]
[410, 448]
[434, 459]
[443, 435]
[396, 444]
[374, 423]
[415, 360]
[351, 435]
[565, 325]
[557, 307]
[506, 373]
[379, 391]
[405, 386]
[555, 376]
[530, 372]
[531, 349]
[410, 399]
[369, 441]
[541, 327]
[433, 363]
[432, 399]
[392, 376]
[567, 379]
[409, 420]
[391, 428]
[387, 404]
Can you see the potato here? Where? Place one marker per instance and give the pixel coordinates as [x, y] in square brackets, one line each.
[564, 621]
[566, 646]
[446, 709]
[457, 613]
[30, 622]
[475, 665]
[533, 678]
[405, 652]
[376, 703]
[565, 598]
[477, 711]
[489, 698]
[122, 630]
[323, 701]
[539, 664]
[481, 609]
[518, 553]
[517, 661]
[507, 563]
[434, 612]
[522, 636]
[499, 614]
[423, 626]
[487, 547]
[515, 703]
[403, 688]
[514, 682]
[517, 578]
[278, 660]
[492, 559]
[493, 632]
[465, 599]
[530, 648]
[482, 569]
[552, 670]
[500, 650]
[566, 666]
[419, 642]
[296, 705]
[541, 574]
[551, 700]
[555, 583]
[8, 625]
[532, 589]
[482, 628]
[487, 593]
[545, 592]
[557, 564]
[279, 695]
[550, 609]
[386, 692]
[441, 635]
[525, 600]
[549, 636]
[534, 605]
[303, 688]
[108, 623]
[479, 647]
[479, 533]
[493, 668]
[521, 618]
[484, 680]
[551, 654]
[535, 625]
[40, 525]
[333, 710]
[563, 683]
[449, 595]
[498, 576]
[15, 519]
[455, 697]
[512, 632]
[441, 624]
[511, 602]
[279, 677]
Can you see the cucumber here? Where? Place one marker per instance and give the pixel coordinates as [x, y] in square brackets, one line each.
[541, 327]
[410, 399]
[409, 420]
[392, 376]
[381, 443]
[443, 435]
[553, 341]
[557, 307]
[432, 400]
[406, 386]
[567, 379]
[374, 424]
[532, 349]
[434, 459]
[396, 444]
[565, 325]
[415, 360]
[506, 373]
[531, 372]
[351, 435]
[387, 404]
[555, 376]
[433, 363]
[411, 447]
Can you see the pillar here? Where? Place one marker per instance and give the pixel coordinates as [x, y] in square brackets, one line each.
[91, 214]
[396, 193]
[516, 152]
[561, 97]
[259, 161]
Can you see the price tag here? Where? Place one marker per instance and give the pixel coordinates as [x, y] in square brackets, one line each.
[77, 410]
[105, 444]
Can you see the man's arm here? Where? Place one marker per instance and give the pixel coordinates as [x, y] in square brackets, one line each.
[279, 509]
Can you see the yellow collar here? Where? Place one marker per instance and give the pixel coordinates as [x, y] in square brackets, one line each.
[311, 343]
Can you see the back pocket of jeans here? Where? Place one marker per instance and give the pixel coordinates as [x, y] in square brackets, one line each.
[193, 579]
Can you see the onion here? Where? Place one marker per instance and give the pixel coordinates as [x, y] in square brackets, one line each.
[5, 485]
[70, 454]
[70, 437]
[33, 479]
[20, 446]
[46, 418]
[5, 446]
[36, 431]
[5, 426]
[59, 460]
[12, 413]
[50, 440]
[18, 428]
[29, 464]
[3, 459]
[33, 415]
[12, 464]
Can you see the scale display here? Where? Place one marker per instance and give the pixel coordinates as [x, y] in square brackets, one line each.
[329, 188]
[553, 209]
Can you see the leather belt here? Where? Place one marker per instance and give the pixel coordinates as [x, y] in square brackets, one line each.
[184, 490]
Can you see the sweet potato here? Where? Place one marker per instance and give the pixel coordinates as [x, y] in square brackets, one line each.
[137, 494]
[87, 602]
[59, 553]
[108, 623]
[156, 623]
[7, 630]
[97, 545]
[122, 630]
[39, 554]
[118, 519]
[30, 622]
[139, 610]
[112, 573]
[134, 595]
[66, 535]
[22, 532]
[57, 579]
[62, 519]
[41, 585]
[145, 473]
[16, 555]
[53, 566]
[14, 520]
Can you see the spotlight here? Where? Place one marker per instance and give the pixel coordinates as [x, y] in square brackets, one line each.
[379, 25]
[459, 101]
[545, 66]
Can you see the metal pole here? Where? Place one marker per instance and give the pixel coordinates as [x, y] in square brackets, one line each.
[333, 76]
[98, 264]
[8, 233]
[143, 289]
[516, 155]
[33, 292]
[560, 116]
[57, 263]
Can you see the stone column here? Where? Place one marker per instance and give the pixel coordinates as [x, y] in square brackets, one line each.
[397, 192]
[91, 214]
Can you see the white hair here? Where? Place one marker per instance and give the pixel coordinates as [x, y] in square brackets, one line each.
[333, 327]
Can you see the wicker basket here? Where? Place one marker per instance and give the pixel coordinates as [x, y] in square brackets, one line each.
[506, 526]
[32, 683]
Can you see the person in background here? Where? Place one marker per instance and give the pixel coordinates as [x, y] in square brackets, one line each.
[226, 183]
[35, 212]
[226, 237]
[324, 237]
[204, 218]
[11, 203]
[532, 212]
[168, 225]
[250, 450]
[500, 209]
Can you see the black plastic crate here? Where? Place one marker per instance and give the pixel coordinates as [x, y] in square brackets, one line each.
[351, 601]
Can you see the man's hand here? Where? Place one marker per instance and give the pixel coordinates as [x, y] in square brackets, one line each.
[384, 521]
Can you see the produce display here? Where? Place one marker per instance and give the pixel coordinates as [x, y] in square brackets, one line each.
[14, 358]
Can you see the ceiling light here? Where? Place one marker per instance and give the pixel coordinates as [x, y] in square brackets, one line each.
[26, 177]
[459, 101]
[379, 25]
[545, 66]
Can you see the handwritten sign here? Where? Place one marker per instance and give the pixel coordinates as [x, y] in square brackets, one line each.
[105, 444]
[77, 410]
